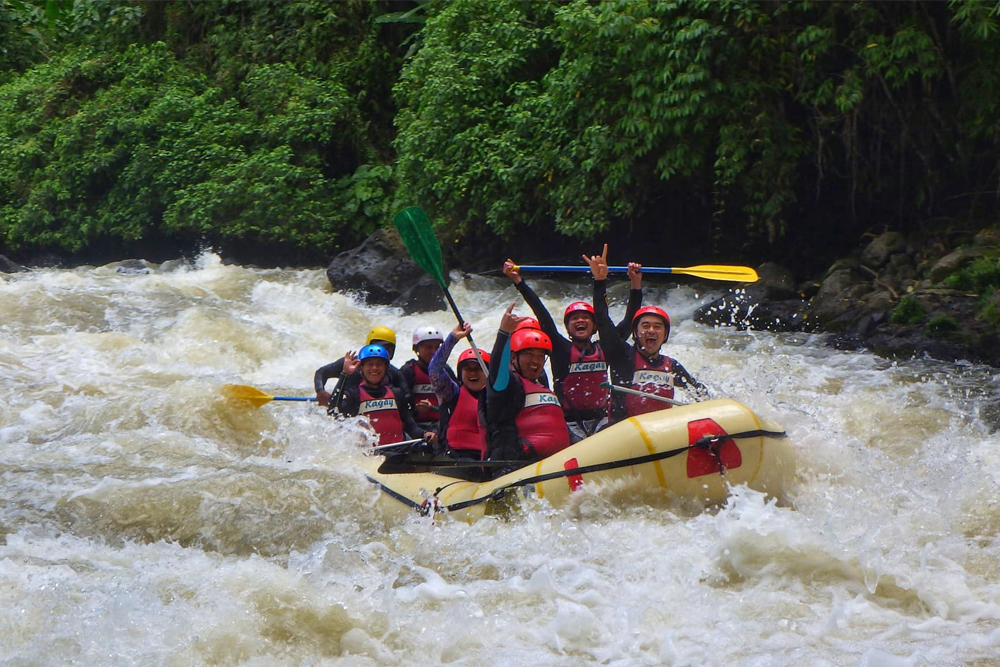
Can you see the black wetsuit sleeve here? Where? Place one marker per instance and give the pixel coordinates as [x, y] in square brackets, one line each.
[545, 321]
[616, 350]
[503, 404]
[634, 304]
[400, 385]
[684, 379]
[407, 372]
[326, 372]
[410, 426]
[560, 344]
[350, 401]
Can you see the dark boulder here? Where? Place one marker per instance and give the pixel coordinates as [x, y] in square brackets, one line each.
[382, 271]
[882, 248]
[7, 266]
[132, 267]
[836, 293]
[954, 261]
[46, 260]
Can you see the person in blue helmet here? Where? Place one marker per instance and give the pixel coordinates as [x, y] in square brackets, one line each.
[375, 398]
[383, 336]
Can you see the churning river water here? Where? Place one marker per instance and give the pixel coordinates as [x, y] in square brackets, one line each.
[146, 519]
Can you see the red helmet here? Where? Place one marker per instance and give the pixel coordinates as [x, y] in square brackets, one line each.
[528, 339]
[469, 355]
[528, 323]
[651, 310]
[578, 307]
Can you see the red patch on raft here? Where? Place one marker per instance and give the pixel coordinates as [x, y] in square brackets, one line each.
[575, 481]
[707, 460]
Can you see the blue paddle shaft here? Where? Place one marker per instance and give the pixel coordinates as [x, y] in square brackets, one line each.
[294, 398]
[586, 269]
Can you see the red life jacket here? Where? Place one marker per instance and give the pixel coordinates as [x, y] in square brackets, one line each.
[581, 388]
[540, 423]
[383, 413]
[464, 430]
[423, 391]
[658, 380]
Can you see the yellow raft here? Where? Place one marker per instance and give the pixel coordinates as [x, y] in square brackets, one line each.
[694, 452]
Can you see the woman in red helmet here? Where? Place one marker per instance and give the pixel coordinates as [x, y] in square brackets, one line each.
[639, 366]
[524, 419]
[461, 433]
[579, 365]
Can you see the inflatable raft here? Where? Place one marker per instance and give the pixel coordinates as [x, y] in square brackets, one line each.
[694, 452]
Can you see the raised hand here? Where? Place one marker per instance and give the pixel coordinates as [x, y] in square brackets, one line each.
[635, 274]
[462, 330]
[509, 321]
[598, 264]
[351, 362]
[511, 270]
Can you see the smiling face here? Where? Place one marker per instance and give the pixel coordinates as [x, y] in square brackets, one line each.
[373, 370]
[650, 333]
[472, 376]
[531, 363]
[580, 326]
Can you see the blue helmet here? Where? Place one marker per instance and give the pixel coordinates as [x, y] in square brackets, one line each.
[373, 352]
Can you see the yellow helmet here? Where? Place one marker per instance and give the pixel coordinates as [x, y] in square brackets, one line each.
[382, 333]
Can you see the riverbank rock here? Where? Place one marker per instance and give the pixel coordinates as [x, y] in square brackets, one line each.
[7, 266]
[770, 304]
[132, 267]
[383, 273]
[891, 299]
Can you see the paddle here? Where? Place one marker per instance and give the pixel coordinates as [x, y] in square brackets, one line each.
[256, 396]
[739, 274]
[418, 236]
[396, 444]
[626, 390]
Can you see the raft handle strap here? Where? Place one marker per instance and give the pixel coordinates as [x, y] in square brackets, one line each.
[704, 442]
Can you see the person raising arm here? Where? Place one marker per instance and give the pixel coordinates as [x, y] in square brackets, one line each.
[579, 367]
[461, 432]
[640, 366]
[373, 397]
[524, 419]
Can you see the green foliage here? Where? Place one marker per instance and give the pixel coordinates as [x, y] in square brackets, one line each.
[95, 146]
[581, 114]
[908, 312]
[729, 121]
[989, 312]
[19, 41]
[981, 275]
[941, 326]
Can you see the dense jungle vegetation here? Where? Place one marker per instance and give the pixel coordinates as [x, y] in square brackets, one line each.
[688, 130]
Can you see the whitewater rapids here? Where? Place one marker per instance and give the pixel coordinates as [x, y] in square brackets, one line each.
[146, 519]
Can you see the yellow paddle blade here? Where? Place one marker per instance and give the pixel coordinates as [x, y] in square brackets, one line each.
[246, 393]
[740, 274]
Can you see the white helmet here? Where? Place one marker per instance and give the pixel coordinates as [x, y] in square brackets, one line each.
[426, 333]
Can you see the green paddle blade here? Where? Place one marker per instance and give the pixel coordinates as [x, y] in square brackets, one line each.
[415, 230]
